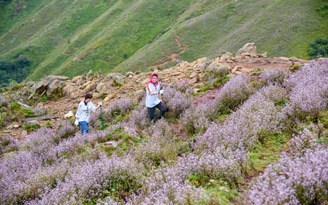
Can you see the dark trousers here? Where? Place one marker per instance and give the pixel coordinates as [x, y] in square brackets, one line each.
[151, 111]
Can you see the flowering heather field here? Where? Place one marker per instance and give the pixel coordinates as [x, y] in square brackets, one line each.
[262, 140]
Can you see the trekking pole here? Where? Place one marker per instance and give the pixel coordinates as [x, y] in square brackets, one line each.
[101, 118]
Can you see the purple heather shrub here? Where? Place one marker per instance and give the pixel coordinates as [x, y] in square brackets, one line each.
[36, 167]
[309, 89]
[172, 192]
[106, 201]
[160, 147]
[169, 92]
[299, 144]
[197, 118]
[299, 180]
[257, 116]
[223, 163]
[185, 87]
[36, 138]
[36, 183]
[111, 128]
[139, 118]
[40, 142]
[178, 103]
[234, 92]
[142, 104]
[74, 145]
[119, 107]
[8, 144]
[274, 93]
[86, 181]
[129, 128]
[14, 172]
[168, 185]
[161, 129]
[274, 77]
[65, 130]
[94, 119]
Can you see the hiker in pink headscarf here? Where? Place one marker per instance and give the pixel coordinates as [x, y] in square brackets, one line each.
[154, 98]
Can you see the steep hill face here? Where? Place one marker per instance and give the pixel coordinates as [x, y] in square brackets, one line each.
[39, 38]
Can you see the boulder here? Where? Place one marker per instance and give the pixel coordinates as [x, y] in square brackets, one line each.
[117, 77]
[54, 87]
[68, 115]
[103, 87]
[70, 91]
[90, 87]
[249, 48]
[212, 67]
[139, 94]
[226, 56]
[283, 59]
[41, 87]
[129, 74]
[200, 64]
[39, 111]
[58, 77]
[78, 80]
[48, 85]
[109, 97]
[4, 101]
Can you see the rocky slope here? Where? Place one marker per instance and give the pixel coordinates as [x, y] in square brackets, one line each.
[55, 98]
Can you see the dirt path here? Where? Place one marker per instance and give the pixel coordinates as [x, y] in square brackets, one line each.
[173, 56]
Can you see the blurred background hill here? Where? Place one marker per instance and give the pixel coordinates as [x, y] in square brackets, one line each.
[39, 38]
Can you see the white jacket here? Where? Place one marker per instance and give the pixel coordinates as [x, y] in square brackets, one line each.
[152, 100]
[83, 111]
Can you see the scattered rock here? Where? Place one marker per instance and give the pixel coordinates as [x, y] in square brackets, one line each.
[78, 80]
[111, 144]
[68, 115]
[45, 117]
[226, 56]
[283, 58]
[3, 101]
[24, 105]
[249, 48]
[39, 111]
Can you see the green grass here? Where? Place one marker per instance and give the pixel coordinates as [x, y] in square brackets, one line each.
[268, 152]
[121, 35]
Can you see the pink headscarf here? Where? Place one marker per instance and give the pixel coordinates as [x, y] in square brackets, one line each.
[151, 79]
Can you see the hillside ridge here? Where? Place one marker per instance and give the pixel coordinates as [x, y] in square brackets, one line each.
[61, 94]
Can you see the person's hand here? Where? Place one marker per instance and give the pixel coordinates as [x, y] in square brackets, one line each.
[76, 123]
[99, 105]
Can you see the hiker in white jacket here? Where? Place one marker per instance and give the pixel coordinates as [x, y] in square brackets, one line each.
[83, 112]
[153, 98]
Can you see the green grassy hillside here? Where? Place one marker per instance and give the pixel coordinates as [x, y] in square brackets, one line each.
[71, 37]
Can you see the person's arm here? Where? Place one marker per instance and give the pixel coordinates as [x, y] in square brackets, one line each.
[160, 97]
[92, 107]
[78, 112]
[98, 106]
[150, 88]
